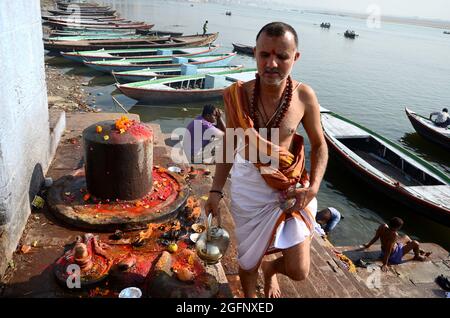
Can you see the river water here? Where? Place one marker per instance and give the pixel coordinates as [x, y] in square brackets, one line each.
[369, 80]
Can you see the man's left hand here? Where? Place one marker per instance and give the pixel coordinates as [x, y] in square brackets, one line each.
[385, 268]
[302, 198]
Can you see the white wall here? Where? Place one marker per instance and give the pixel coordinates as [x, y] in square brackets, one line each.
[24, 126]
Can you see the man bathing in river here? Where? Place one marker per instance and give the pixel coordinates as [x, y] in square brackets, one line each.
[273, 207]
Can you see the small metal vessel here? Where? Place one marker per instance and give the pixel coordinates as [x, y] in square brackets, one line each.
[212, 243]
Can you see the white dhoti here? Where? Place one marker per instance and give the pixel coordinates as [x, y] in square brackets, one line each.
[255, 207]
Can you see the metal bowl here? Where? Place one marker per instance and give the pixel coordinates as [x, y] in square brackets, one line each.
[130, 292]
[174, 169]
[194, 237]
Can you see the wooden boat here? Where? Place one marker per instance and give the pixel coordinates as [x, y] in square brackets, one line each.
[99, 25]
[95, 37]
[166, 62]
[350, 34]
[388, 167]
[152, 73]
[84, 13]
[428, 130]
[81, 17]
[158, 32]
[84, 21]
[242, 48]
[61, 36]
[81, 6]
[150, 42]
[105, 55]
[185, 89]
[68, 18]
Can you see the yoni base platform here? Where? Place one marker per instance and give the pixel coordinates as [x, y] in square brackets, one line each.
[70, 202]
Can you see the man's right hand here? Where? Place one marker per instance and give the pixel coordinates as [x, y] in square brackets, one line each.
[212, 204]
[217, 113]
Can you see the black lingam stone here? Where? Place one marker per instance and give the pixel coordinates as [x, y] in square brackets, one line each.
[118, 165]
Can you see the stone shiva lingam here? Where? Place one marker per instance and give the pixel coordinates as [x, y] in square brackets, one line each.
[121, 189]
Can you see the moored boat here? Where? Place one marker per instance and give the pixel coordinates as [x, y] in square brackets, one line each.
[83, 13]
[242, 48]
[158, 32]
[99, 25]
[428, 130]
[388, 167]
[105, 55]
[55, 33]
[149, 42]
[159, 62]
[184, 89]
[94, 37]
[152, 73]
[65, 18]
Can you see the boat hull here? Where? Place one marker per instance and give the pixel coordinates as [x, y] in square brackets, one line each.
[393, 191]
[74, 56]
[427, 132]
[130, 78]
[108, 68]
[182, 41]
[243, 49]
[163, 97]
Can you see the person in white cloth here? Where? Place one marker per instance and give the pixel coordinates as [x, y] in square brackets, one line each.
[273, 207]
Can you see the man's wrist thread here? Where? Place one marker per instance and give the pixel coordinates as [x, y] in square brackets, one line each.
[217, 191]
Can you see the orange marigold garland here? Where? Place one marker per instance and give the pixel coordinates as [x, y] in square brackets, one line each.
[123, 123]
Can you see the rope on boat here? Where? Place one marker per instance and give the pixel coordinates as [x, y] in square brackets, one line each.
[118, 103]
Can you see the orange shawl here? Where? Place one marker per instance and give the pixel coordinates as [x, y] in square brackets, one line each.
[291, 165]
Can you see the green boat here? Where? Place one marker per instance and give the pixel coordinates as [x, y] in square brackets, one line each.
[185, 89]
[167, 62]
[388, 167]
[104, 55]
[95, 37]
[151, 73]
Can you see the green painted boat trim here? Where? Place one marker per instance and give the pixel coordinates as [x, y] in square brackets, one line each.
[93, 37]
[137, 50]
[396, 146]
[162, 59]
[185, 77]
[162, 70]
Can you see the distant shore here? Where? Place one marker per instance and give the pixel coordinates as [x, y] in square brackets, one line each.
[445, 25]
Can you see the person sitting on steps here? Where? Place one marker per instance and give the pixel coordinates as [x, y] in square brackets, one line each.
[392, 250]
